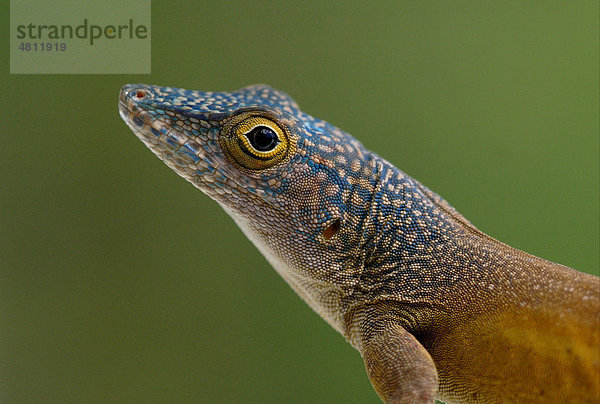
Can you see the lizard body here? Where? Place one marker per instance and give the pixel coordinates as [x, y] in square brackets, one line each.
[436, 308]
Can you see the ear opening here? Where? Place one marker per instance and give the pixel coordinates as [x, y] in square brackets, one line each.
[331, 230]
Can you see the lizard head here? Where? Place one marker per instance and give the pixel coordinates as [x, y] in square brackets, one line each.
[297, 186]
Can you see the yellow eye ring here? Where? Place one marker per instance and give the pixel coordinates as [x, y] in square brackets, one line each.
[256, 142]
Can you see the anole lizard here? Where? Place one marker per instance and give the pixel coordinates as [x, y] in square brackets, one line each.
[436, 308]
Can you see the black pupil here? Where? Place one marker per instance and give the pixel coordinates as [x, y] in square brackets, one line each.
[263, 139]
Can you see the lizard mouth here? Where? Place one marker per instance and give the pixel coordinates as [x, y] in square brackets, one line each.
[155, 128]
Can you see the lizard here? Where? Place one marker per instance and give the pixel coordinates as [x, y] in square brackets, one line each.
[437, 308]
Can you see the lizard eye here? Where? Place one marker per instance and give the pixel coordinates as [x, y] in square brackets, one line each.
[257, 143]
[263, 138]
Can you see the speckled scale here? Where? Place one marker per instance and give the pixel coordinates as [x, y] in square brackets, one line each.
[400, 263]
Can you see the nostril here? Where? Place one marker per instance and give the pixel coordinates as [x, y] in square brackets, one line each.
[331, 230]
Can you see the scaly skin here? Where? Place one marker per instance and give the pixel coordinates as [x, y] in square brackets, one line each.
[436, 308]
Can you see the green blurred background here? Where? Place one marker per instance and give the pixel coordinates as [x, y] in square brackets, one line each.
[120, 282]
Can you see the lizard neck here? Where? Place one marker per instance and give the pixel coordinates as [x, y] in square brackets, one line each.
[406, 222]
[427, 251]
